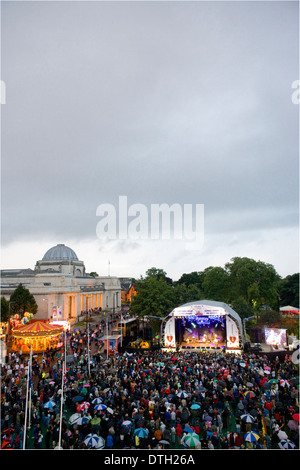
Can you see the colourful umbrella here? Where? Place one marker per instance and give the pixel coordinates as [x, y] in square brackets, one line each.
[191, 440]
[100, 407]
[141, 432]
[249, 394]
[83, 420]
[284, 383]
[93, 441]
[251, 436]
[50, 404]
[84, 406]
[97, 401]
[273, 381]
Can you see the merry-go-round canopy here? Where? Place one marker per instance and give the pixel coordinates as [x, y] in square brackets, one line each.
[37, 329]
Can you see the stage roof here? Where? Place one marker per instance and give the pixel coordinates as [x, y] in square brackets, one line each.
[206, 307]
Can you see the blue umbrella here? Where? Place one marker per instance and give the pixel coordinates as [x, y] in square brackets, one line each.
[78, 398]
[251, 436]
[50, 404]
[83, 420]
[93, 441]
[100, 407]
[195, 407]
[141, 432]
[187, 429]
[97, 401]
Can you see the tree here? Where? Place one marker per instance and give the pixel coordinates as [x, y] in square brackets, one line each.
[216, 284]
[94, 274]
[257, 282]
[183, 293]
[21, 301]
[154, 294]
[241, 307]
[4, 309]
[289, 290]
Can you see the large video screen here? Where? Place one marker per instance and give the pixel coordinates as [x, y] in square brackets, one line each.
[275, 337]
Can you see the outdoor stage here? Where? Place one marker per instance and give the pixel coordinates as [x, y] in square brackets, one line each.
[203, 325]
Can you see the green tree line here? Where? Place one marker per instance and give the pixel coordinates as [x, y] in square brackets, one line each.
[248, 286]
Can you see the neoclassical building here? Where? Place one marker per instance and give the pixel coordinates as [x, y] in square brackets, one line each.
[61, 286]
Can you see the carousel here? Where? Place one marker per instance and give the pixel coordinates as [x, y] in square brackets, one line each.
[38, 335]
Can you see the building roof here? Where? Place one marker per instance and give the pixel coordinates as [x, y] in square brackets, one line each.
[60, 252]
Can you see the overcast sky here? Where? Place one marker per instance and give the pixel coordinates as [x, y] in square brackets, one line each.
[164, 102]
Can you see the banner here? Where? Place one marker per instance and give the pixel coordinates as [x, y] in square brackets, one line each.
[170, 341]
[232, 334]
[57, 313]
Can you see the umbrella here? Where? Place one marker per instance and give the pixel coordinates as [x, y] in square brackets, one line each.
[208, 418]
[248, 418]
[141, 432]
[93, 441]
[164, 442]
[96, 420]
[110, 410]
[188, 429]
[83, 420]
[84, 406]
[126, 423]
[273, 381]
[284, 383]
[191, 440]
[286, 444]
[100, 407]
[78, 398]
[251, 436]
[249, 384]
[282, 435]
[136, 416]
[249, 394]
[296, 417]
[96, 401]
[50, 404]
[195, 407]
[292, 425]
[182, 394]
[160, 364]
[74, 418]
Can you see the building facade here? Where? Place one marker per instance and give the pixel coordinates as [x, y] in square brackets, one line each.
[62, 288]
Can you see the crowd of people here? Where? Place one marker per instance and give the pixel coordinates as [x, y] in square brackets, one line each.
[149, 399]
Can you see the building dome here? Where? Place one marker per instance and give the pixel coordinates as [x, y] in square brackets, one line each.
[60, 252]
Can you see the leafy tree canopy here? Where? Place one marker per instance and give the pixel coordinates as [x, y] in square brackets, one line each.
[21, 301]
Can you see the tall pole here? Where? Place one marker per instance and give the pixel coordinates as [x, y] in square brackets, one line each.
[107, 341]
[61, 405]
[26, 403]
[30, 385]
[89, 366]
